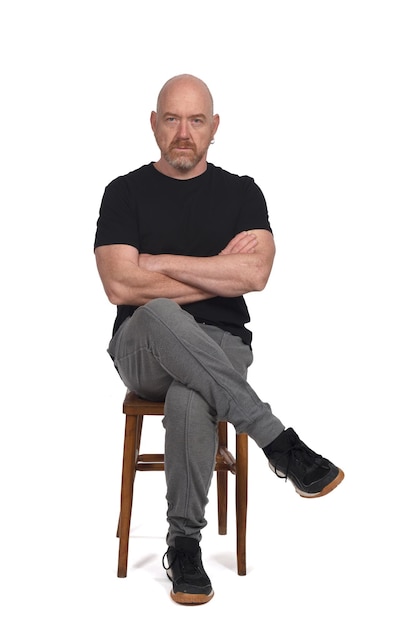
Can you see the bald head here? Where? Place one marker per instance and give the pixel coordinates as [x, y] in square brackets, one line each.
[184, 83]
[184, 126]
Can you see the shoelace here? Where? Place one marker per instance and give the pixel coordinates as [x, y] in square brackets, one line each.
[186, 559]
[305, 455]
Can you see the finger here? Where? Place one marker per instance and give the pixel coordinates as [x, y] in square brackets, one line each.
[239, 243]
[248, 246]
[245, 243]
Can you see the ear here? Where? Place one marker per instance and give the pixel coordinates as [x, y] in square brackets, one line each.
[153, 120]
[216, 122]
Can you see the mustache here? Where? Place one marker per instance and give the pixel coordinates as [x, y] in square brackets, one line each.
[182, 144]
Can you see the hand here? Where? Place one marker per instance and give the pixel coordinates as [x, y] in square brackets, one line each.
[243, 243]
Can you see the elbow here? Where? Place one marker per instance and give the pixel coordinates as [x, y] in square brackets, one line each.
[258, 285]
[113, 299]
[259, 279]
[114, 295]
[119, 295]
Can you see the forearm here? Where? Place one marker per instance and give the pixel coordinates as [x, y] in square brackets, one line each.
[134, 278]
[126, 283]
[138, 292]
[222, 275]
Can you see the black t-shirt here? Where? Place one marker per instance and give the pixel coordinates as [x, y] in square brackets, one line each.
[158, 214]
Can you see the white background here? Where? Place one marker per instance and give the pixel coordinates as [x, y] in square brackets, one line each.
[318, 103]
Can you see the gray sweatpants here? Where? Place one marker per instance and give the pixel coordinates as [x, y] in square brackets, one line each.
[162, 353]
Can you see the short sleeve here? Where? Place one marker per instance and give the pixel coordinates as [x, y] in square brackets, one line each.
[254, 211]
[117, 222]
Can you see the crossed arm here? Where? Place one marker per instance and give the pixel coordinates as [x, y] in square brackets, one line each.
[131, 277]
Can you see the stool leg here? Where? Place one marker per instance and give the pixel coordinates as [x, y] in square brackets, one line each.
[222, 476]
[137, 447]
[241, 500]
[128, 474]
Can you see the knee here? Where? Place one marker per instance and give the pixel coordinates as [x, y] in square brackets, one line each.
[157, 309]
[158, 315]
[164, 310]
[160, 306]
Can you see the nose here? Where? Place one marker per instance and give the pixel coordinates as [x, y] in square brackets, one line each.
[183, 129]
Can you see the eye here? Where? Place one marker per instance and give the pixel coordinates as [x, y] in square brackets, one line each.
[197, 121]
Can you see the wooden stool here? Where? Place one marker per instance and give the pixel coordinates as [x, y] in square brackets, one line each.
[135, 409]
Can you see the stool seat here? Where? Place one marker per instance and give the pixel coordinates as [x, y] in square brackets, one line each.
[135, 409]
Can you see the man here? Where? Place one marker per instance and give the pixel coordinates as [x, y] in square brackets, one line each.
[178, 243]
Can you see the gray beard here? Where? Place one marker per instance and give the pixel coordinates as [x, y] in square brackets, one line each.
[183, 163]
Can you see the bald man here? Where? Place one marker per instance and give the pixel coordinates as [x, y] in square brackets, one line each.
[179, 243]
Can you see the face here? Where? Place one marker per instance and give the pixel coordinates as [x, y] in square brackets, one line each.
[184, 126]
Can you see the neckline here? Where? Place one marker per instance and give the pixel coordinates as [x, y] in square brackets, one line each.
[179, 180]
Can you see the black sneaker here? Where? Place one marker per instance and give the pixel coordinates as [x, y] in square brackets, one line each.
[190, 583]
[311, 474]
